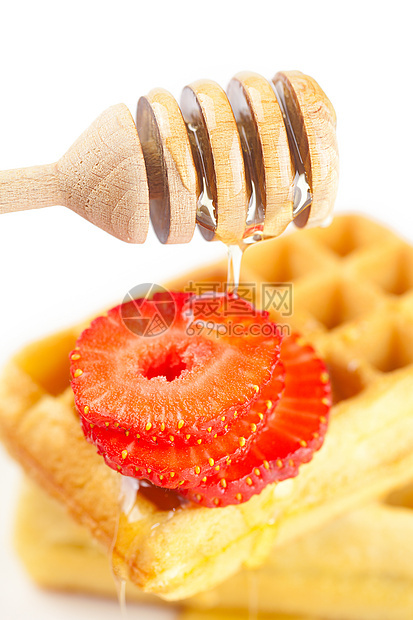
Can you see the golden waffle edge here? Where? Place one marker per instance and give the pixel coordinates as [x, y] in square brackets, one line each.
[358, 567]
[353, 300]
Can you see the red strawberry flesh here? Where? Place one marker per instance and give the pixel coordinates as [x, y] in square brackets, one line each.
[290, 437]
[182, 466]
[178, 384]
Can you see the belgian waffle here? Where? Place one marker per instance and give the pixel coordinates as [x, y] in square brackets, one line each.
[358, 567]
[352, 286]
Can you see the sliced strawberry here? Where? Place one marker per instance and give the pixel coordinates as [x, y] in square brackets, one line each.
[188, 382]
[172, 466]
[291, 435]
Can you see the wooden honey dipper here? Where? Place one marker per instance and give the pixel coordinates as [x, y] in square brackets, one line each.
[241, 164]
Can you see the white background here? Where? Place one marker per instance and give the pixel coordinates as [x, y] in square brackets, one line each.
[63, 63]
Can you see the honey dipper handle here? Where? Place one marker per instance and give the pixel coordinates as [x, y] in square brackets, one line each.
[28, 188]
[102, 177]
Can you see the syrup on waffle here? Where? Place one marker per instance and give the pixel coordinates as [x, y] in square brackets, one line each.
[356, 307]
